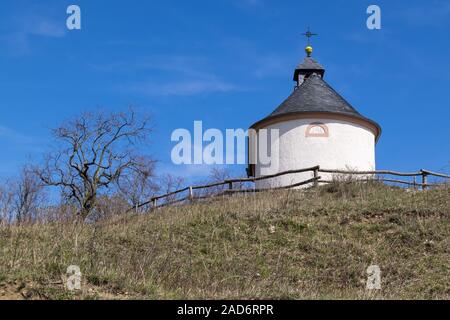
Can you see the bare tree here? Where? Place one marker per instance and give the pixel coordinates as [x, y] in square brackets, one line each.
[94, 152]
[108, 206]
[139, 186]
[21, 198]
[169, 183]
[27, 195]
[219, 174]
[6, 200]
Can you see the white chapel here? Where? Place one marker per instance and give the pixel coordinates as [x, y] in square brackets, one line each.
[316, 126]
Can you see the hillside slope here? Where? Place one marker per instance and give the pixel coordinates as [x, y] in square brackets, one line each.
[314, 244]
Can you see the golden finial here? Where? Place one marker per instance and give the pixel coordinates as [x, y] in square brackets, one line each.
[308, 48]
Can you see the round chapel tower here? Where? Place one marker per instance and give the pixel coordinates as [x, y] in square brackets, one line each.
[315, 126]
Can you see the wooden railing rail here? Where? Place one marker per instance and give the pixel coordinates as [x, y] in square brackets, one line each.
[314, 181]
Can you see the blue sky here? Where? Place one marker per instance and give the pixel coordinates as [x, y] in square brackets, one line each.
[226, 62]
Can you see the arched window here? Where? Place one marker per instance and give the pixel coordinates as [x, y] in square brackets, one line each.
[317, 129]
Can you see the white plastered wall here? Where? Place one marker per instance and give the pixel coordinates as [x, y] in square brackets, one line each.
[349, 146]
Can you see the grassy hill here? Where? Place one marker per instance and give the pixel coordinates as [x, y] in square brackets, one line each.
[314, 244]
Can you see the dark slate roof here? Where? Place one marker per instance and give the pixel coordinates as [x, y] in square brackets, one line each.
[309, 65]
[315, 95]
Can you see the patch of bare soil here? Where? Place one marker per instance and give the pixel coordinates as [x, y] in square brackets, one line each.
[34, 291]
[17, 291]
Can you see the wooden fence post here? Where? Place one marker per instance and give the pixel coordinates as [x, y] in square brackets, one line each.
[155, 203]
[230, 185]
[191, 194]
[316, 175]
[424, 179]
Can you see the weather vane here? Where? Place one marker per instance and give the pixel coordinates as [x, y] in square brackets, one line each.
[308, 34]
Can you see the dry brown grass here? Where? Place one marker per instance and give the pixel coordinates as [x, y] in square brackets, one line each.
[314, 244]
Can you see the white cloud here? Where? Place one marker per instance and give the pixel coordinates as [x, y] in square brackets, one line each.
[38, 22]
[184, 76]
[182, 88]
[46, 28]
[432, 13]
[14, 136]
[176, 64]
[271, 65]
[24, 25]
[249, 3]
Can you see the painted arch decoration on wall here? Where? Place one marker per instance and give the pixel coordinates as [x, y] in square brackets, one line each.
[317, 129]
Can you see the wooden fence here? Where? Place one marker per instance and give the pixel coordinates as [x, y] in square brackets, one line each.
[228, 185]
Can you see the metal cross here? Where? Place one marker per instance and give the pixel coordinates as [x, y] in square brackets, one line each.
[309, 34]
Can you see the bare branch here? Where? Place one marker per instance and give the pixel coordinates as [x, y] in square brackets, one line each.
[95, 151]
